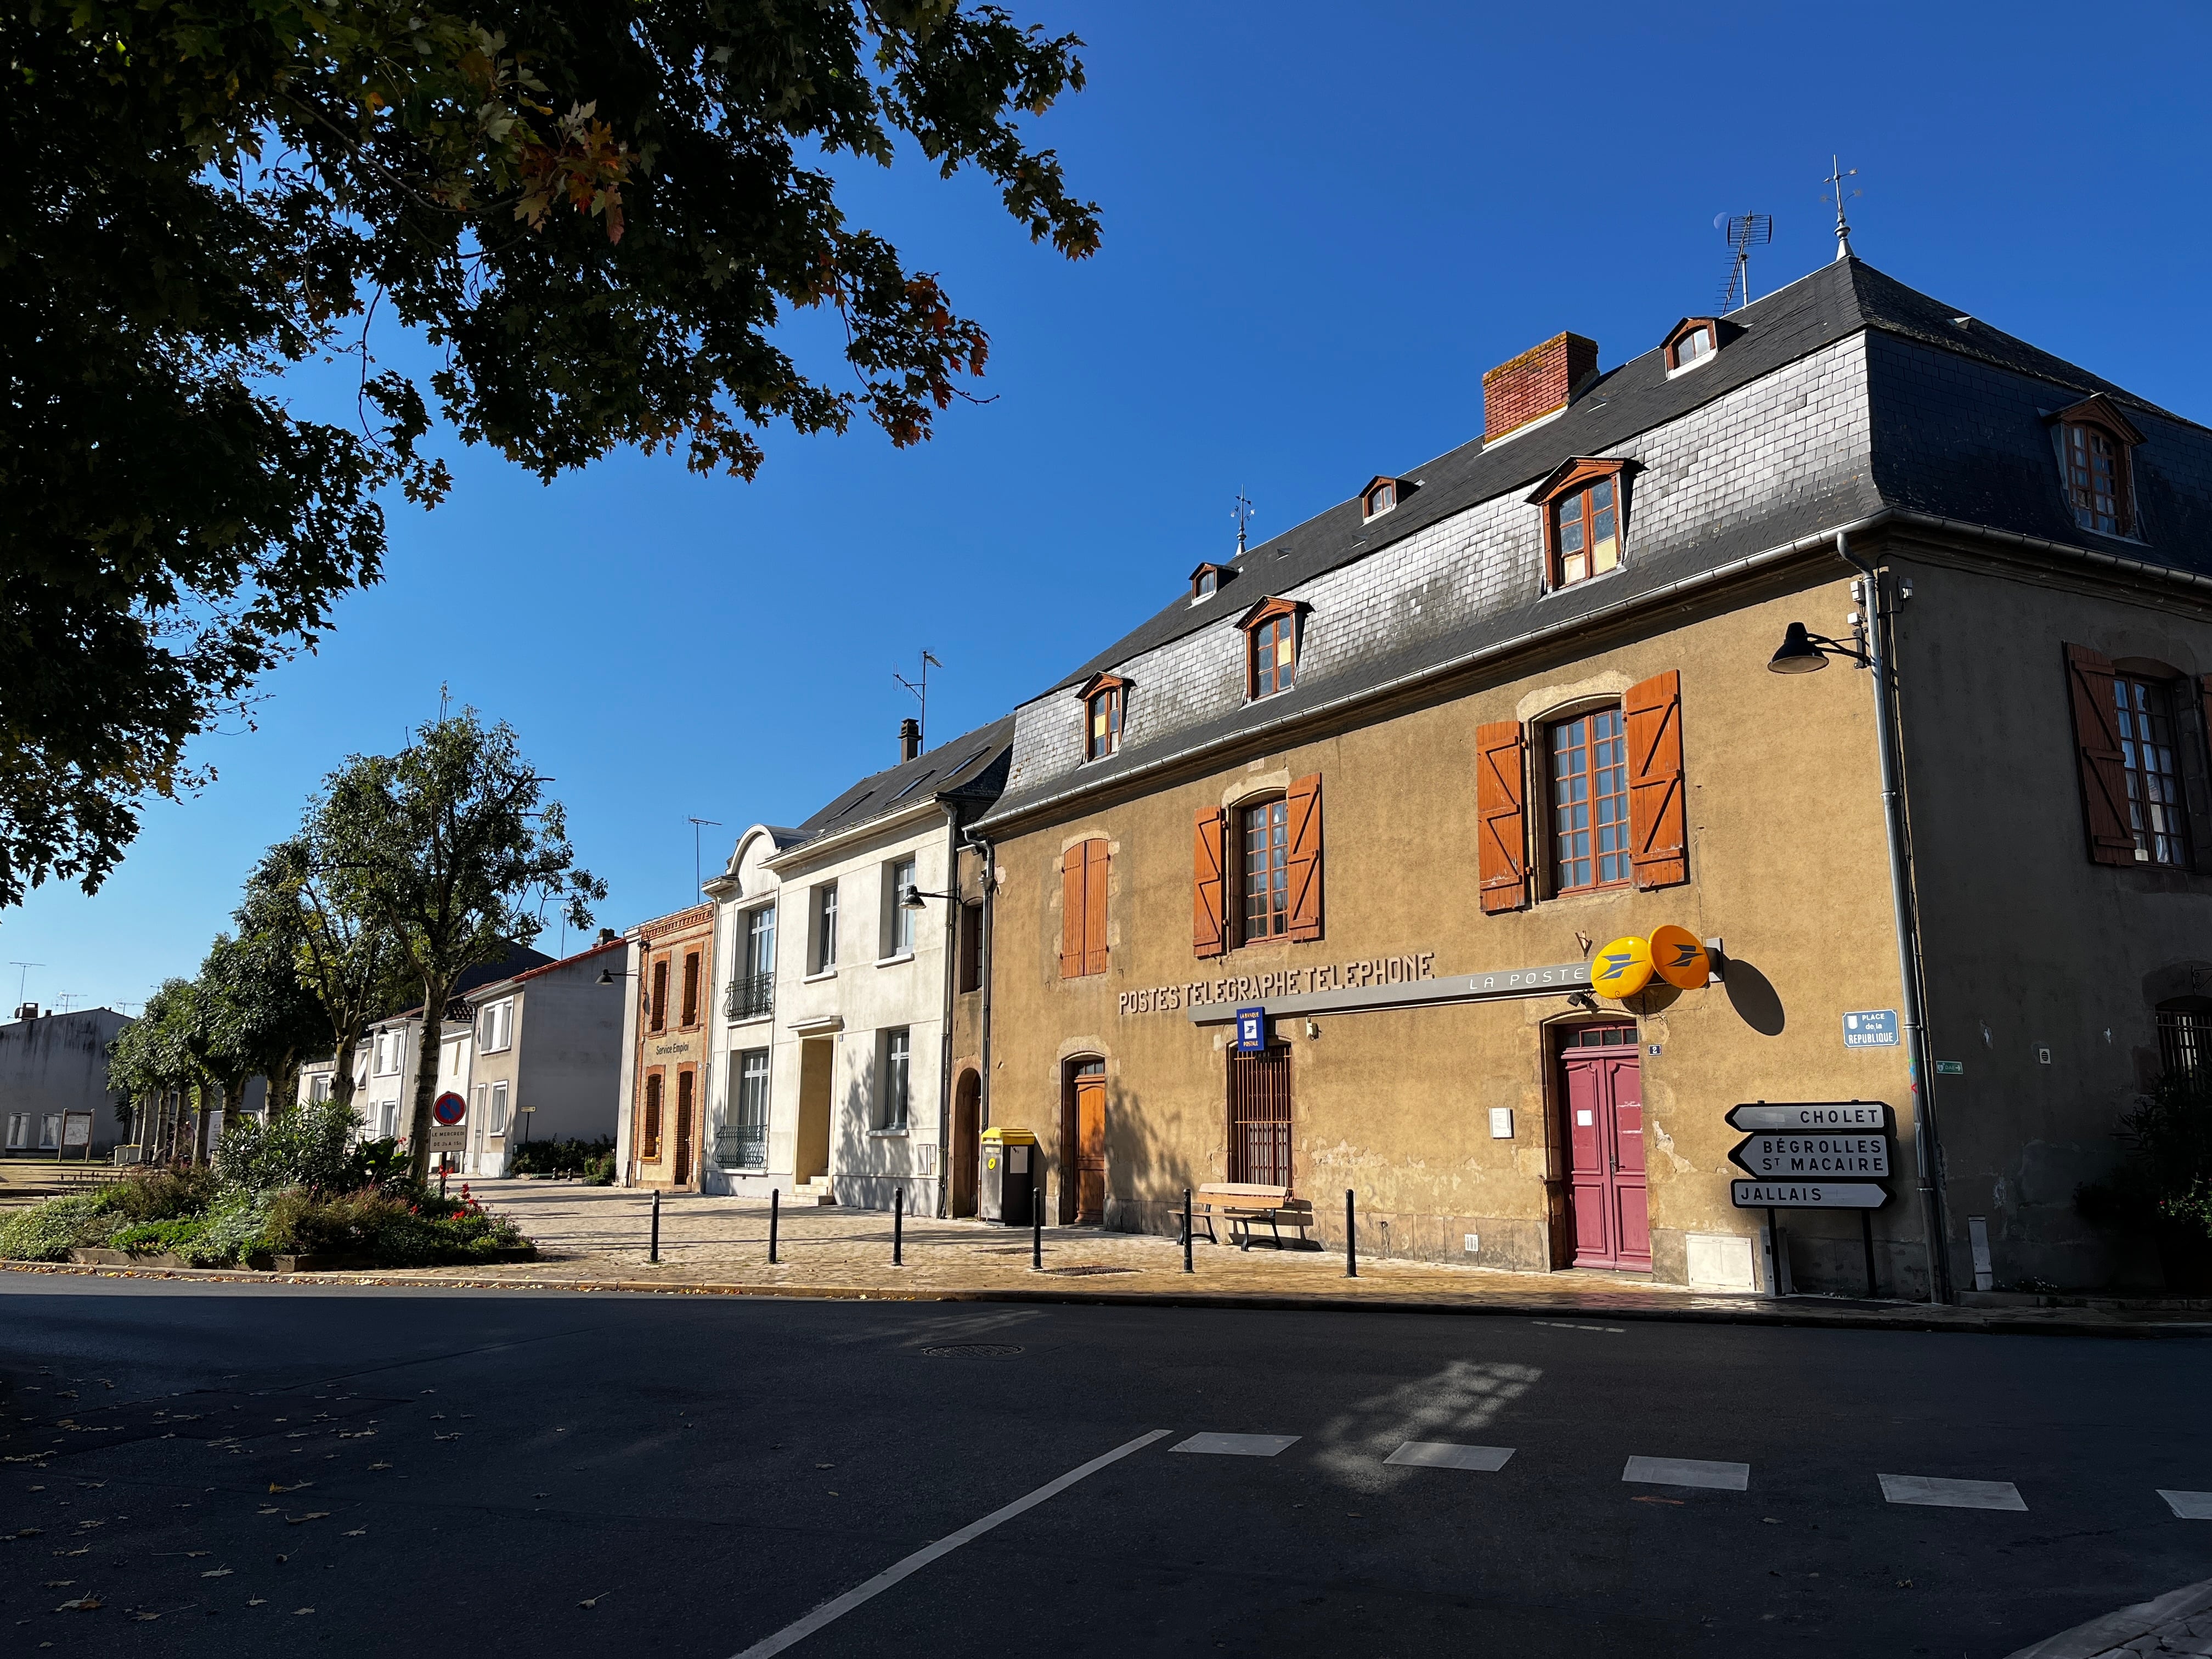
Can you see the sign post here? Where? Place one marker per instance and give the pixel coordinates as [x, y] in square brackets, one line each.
[1805, 1155]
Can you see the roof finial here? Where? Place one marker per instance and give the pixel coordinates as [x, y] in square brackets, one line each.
[1242, 513]
[1837, 173]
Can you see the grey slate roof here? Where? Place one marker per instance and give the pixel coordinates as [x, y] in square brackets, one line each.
[1955, 411]
[971, 767]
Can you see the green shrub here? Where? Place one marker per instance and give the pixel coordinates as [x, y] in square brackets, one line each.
[49, 1231]
[306, 1145]
[160, 1237]
[161, 1194]
[375, 1164]
[393, 1228]
[565, 1158]
[600, 1171]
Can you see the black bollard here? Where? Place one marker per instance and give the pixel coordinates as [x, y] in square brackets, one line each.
[898, 1228]
[1350, 1238]
[1186, 1229]
[775, 1214]
[655, 1256]
[1037, 1223]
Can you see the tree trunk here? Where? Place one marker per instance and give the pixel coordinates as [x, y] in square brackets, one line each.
[430, 1050]
[341, 1079]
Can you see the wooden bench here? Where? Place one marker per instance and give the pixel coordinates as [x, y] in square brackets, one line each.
[1244, 1205]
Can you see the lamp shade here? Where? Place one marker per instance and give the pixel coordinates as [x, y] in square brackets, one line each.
[1798, 655]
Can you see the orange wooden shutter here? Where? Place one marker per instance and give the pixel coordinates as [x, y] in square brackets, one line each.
[1094, 906]
[2097, 747]
[1070, 913]
[1658, 816]
[1502, 769]
[1304, 865]
[1208, 937]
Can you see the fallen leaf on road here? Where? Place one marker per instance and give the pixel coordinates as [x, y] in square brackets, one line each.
[301, 1520]
[87, 1550]
[379, 1466]
[1769, 1519]
[296, 1611]
[297, 1485]
[825, 1466]
[196, 1554]
[271, 1509]
[83, 1604]
[1676, 1502]
[1905, 1583]
[217, 1572]
[455, 1435]
[596, 1600]
[359, 1532]
[59, 1583]
[256, 1601]
[30, 1532]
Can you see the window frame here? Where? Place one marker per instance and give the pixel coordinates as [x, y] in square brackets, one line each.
[752, 986]
[894, 1080]
[1277, 827]
[2162, 696]
[1278, 620]
[822, 928]
[1208, 579]
[742, 1072]
[1371, 508]
[693, 1007]
[2099, 416]
[657, 996]
[1573, 477]
[1685, 330]
[1113, 690]
[1553, 864]
[898, 920]
[496, 1119]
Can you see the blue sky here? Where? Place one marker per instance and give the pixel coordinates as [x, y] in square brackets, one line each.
[1323, 224]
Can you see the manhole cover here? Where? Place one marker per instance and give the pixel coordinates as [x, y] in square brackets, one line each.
[973, 1351]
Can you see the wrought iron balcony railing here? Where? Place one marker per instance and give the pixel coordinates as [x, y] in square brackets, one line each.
[751, 996]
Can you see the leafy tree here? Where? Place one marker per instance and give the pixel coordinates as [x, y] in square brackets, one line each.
[598, 215]
[344, 962]
[451, 846]
[164, 1051]
[262, 1020]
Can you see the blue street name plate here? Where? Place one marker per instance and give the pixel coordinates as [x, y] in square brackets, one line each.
[1251, 1030]
[1870, 1028]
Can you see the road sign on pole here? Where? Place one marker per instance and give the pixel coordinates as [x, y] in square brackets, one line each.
[1771, 1158]
[1808, 1195]
[1867, 1116]
[449, 1129]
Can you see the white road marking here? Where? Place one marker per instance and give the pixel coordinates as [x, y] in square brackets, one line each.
[1687, 1472]
[1235, 1445]
[2188, 1505]
[1951, 1494]
[830, 1611]
[1442, 1454]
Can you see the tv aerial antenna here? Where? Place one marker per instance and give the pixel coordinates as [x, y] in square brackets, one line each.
[1242, 513]
[921, 691]
[1744, 231]
[1836, 198]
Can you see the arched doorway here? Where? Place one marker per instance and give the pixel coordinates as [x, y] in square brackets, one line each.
[1083, 1142]
[966, 1143]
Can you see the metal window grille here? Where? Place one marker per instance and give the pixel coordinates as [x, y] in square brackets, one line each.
[744, 1143]
[2147, 751]
[1259, 1117]
[2185, 1043]
[751, 996]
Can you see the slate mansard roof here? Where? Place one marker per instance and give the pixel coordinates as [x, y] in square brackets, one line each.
[971, 767]
[1832, 400]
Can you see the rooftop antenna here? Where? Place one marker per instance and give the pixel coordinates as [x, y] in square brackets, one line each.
[698, 879]
[1744, 231]
[1242, 513]
[922, 692]
[23, 982]
[66, 998]
[1837, 173]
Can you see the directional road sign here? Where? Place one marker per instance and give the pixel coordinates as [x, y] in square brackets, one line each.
[1771, 1157]
[1869, 1116]
[1808, 1195]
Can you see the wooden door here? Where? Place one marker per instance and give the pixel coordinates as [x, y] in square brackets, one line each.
[1090, 1149]
[1259, 1117]
[966, 1142]
[1603, 1097]
[686, 1088]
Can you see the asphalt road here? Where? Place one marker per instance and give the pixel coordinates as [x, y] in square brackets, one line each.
[279, 1470]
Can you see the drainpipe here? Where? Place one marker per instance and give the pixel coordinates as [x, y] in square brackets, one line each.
[951, 961]
[983, 971]
[1927, 1147]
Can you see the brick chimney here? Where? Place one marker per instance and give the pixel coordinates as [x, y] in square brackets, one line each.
[909, 739]
[1535, 384]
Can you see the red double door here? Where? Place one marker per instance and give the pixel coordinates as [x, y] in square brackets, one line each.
[1604, 1097]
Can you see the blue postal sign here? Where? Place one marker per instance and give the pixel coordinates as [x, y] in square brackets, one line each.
[1870, 1028]
[1251, 1030]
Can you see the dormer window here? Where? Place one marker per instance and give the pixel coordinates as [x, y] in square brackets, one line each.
[1271, 632]
[1103, 702]
[2096, 445]
[1691, 342]
[1206, 582]
[1381, 494]
[1583, 519]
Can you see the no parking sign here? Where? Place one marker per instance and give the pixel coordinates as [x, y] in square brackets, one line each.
[449, 1115]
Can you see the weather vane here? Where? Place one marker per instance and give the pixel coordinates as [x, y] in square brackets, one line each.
[1837, 173]
[1242, 513]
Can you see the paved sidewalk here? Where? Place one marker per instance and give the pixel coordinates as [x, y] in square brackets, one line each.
[2179, 1624]
[598, 1239]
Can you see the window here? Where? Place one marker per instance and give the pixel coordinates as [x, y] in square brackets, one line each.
[1274, 656]
[969, 949]
[2095, 479]
[899, 928]
[748, 1147]
[658, 1011]
[1263, 842]
[1383, 497]
[823, 955]
[649, 1138]
[1585, 533]
[690, 988]
[895, 1092]
[1589, 802]
[319, 1087]
[1204, 587]
[752, 992]
[1104, 733]
[2147, 755]
[1697, 343]
[496, 1026]
[2184, 1037]
[496, 1123]
[1084, 870]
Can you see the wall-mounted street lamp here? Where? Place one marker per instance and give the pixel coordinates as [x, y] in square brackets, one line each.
[911, 896]
[1802, 653]
[608, 977]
